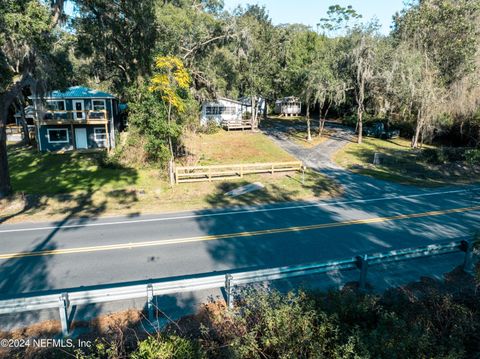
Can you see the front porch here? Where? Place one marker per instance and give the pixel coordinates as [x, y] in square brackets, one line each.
[73, 130]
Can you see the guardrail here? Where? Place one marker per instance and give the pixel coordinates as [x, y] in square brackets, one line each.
[222, 172]
[63, 301]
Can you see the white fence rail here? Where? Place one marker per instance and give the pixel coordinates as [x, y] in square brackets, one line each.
[64, 300]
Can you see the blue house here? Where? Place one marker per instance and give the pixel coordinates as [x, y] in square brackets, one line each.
[77, 118]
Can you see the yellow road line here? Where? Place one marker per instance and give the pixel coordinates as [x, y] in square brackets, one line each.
[235, 235]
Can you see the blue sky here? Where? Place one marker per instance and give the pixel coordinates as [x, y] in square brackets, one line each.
[309, 12]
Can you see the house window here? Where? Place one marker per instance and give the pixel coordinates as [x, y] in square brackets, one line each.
[100, 136]
[58, 135]
[220, 110]
[211, 110]
[98, 105]
[56, 105]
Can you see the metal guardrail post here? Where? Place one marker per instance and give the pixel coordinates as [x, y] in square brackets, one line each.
[63, 309]
[150, 307]
[229, 290]
[467, 247]
[362, 264]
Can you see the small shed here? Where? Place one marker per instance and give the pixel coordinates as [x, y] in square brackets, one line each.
[288, 106]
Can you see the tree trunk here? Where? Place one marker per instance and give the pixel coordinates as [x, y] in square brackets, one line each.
[309, 134]
[5, 185]
[418, 130]
[26, 133]
[321, 123]
[170, 146]
[254, 113]
[360, 125]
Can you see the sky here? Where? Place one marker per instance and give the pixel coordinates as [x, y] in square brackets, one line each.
[309, 12]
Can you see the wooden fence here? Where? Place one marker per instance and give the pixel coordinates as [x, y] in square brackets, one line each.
[223, 172]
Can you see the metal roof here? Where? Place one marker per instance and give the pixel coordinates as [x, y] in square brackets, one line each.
[77, 92]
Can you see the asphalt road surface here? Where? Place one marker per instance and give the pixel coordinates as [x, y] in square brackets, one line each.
[79, 252]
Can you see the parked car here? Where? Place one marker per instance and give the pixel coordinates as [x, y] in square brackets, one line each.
[378, 131]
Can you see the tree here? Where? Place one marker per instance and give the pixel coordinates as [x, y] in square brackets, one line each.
[447, 30]
[362, 62]
[116, 41]
[257, 59]
[33, 55]
[199, 34]
[171, 81]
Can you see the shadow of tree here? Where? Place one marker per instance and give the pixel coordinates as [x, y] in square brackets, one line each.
[51, 173]
[407, 166]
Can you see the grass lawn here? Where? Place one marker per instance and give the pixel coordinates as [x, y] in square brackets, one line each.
[52, 186]
[231, 147]
[400, 163]
[296, 130]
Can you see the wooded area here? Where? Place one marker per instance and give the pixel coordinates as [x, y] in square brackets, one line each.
[164, 56]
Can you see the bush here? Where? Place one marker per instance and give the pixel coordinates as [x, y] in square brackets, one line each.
[473, 156]
[443, 155]
[210, 127]
[172, 347]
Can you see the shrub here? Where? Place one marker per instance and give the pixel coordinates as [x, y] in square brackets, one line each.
[473, 156]
[171, 347]
[210, 127]
[443, 155]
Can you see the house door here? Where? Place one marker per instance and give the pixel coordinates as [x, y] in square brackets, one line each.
[78, 106]
[81, 138]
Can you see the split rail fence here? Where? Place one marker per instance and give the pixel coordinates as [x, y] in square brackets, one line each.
[223, 172]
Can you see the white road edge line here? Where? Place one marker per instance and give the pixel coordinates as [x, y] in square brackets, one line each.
[252, 210]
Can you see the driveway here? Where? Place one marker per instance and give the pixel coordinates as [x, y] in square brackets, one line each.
[319, 158]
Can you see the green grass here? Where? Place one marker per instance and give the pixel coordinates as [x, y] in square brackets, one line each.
[231, 147]
[400, 163]
[52, 173]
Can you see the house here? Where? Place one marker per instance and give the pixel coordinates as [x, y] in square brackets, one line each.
[288, 106]
[77, 118]
[29, 113]
[222, 110]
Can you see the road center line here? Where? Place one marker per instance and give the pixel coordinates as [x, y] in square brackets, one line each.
[234, 235]
[244, 211]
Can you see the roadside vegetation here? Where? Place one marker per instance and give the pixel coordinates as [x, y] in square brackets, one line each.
[430, 318]
[429, 166]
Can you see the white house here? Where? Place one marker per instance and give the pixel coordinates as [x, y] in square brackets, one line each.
[288, 106]
[222, 110]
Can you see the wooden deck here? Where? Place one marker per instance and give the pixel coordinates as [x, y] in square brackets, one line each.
[243, 125]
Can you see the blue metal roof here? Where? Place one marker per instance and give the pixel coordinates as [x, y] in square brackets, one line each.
[78, 92]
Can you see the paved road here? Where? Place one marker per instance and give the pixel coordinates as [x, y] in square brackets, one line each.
[372, 216]
[80, 252]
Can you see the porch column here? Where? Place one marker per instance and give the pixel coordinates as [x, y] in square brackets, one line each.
[73, 137]
[108, 136]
